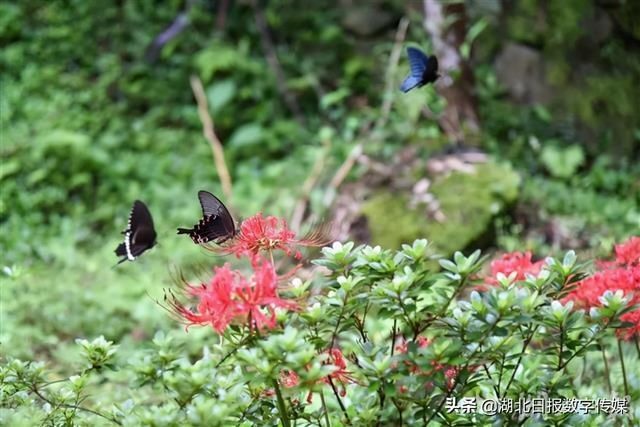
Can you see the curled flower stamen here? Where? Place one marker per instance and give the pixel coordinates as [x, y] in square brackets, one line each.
[268, 234]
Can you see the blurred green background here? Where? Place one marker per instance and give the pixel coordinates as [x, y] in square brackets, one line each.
[95, 115]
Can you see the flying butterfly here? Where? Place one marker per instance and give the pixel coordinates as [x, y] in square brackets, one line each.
[216, 225]
[423, 69]
[139, 235]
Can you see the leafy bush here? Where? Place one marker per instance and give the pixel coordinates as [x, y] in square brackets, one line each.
[380, 338]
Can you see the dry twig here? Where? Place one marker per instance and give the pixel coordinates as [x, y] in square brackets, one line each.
[394, 58]
[209, 133]
[390, 88]
[307, 186]
[342, 173]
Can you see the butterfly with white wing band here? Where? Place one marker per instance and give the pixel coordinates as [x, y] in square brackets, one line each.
[140, 234]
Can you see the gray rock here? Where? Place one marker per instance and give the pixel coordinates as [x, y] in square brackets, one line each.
[366, 21]
[520, 69]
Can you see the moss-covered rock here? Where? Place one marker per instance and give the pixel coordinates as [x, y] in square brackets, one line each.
[469, 202]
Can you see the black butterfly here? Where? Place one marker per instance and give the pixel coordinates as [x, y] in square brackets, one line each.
[216, 224]
[139, 235]
[424, 69]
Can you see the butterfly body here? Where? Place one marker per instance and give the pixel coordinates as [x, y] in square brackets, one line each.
[216, 225]
[423, 70]
[140, 234]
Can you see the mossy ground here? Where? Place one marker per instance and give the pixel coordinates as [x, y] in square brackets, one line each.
[469, 202]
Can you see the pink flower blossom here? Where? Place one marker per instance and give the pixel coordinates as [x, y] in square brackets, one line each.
[340, 375]
[628, 253]
[258, 233]
[623, 274]
[289, 378]
[518, 262]
[230, 296]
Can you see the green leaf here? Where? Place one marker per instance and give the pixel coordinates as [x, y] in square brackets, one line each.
[246, 136]
[219, 94]
[334, 97]
[562, 162]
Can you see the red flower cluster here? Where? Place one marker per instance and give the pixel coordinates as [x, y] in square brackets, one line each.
[628, 253]
[518, 262]
[450, 372]
[230, 296]
[402, 347]
[340, 374]
[623, 274]
[289, 378]
[258, 233]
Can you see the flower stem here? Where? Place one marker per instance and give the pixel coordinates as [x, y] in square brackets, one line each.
[624, 371]
[637, 346]
[337, 395]
[35, 391]
[393, 336]
[325, 410]
[606, 368]
[282, 409]
[464, 368]
[524, 349]
[560, 366]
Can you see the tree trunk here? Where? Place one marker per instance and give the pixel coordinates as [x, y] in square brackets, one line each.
[447, 27]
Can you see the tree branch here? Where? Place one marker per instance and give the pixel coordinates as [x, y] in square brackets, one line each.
[209, 133]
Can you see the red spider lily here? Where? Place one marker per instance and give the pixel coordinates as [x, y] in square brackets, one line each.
[260, 294]
[215, 303]
[588, 291]
[518, 262]
[340, 374]
[628, 253]
[450, 372]
[259, 233]
[623, 274]
[289, 378]
[231, 296]
[627, 334]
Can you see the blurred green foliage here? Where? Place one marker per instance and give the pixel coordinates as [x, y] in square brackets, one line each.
[91, 123]
[591, 58]
[88, 124]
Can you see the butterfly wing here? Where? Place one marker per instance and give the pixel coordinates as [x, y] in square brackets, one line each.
[222, 222]
[213, 229]
[217, 223]
[409, 83]
[210, 204]
[430, 74]
[140, 234]
[140, 217]
[418, 62]
[143, 238]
